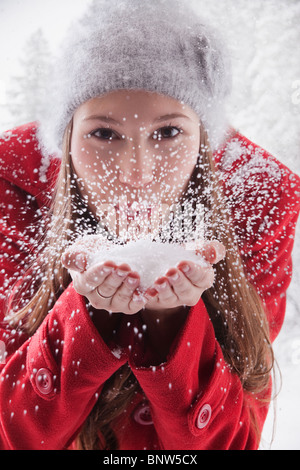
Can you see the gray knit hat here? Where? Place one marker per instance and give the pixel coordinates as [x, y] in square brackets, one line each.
[159, 45]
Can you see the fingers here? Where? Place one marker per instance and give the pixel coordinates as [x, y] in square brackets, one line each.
[127, 298]
[163, 292]
[212, 251]
[119, 293]
[86, 281]
[183, 285]
[107, 286]
[200, 276]
[188, 279]
[75, 261]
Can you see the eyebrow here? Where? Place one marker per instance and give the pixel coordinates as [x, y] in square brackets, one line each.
[171, 116]
[109, 120]
[101, 118]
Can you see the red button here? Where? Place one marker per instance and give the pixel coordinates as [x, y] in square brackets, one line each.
[44, 381]
[204, 416]
[142, 415]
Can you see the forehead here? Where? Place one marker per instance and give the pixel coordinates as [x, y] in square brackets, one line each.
[135, 104]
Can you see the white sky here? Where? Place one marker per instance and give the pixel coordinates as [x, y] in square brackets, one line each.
[20, 18]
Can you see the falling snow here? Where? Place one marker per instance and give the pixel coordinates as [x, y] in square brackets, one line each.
[290, 347]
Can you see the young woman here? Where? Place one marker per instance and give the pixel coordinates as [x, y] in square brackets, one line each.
[93, 361]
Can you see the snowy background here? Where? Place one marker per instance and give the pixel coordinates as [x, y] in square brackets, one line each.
[264, 40]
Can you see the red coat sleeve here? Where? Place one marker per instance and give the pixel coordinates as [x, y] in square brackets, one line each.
[23, 202]
[269, 258]
[51, 382]
[197, 403]
[265, 199]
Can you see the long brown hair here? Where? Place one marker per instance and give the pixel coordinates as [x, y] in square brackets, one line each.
[237, 312]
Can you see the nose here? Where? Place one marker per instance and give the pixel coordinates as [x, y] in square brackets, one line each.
[136, 170]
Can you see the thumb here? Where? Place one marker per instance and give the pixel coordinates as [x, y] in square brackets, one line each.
[212, 251]
[74, 261]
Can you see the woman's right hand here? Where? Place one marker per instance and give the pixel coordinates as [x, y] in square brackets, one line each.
[107, 286]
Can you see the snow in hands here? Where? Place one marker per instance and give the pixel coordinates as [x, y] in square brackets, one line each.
[151, 259]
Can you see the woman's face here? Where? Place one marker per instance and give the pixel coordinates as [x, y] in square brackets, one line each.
[133, 149]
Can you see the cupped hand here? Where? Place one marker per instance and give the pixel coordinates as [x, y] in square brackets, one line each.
[107, 286]
[185, 284]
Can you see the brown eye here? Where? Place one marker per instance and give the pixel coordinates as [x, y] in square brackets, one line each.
[104, 134]
[167, 132]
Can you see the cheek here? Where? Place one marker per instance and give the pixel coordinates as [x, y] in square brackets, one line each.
[81, 157]
[90, 163]
[178, 161]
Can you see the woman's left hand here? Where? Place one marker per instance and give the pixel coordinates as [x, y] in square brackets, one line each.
[185, 284]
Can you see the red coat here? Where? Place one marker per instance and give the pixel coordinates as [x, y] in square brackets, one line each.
[50, 382]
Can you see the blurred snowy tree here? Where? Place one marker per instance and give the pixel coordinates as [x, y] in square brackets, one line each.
[25, 91]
